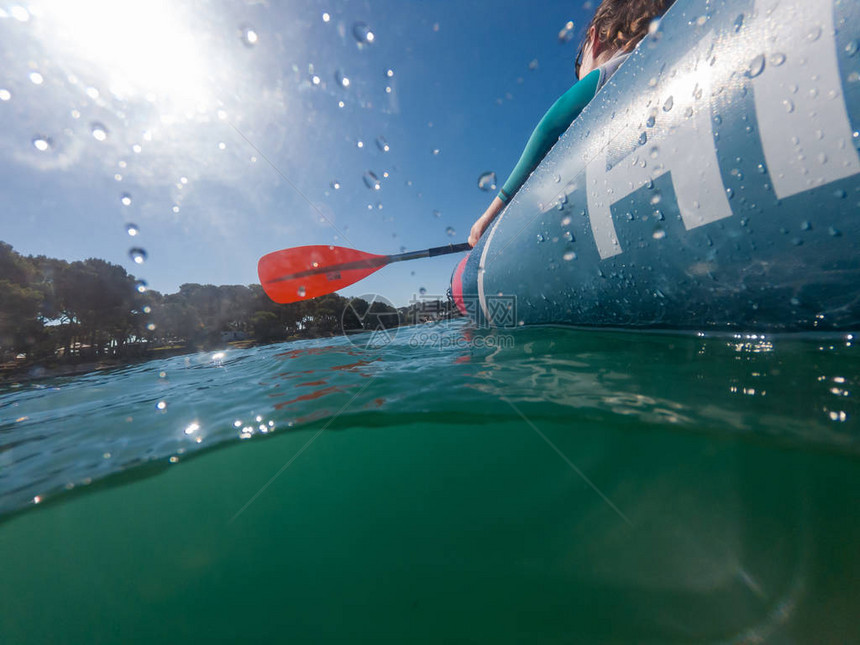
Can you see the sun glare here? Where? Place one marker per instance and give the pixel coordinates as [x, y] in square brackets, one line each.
[141, 49]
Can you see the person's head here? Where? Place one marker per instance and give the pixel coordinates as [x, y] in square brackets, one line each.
[617, 26]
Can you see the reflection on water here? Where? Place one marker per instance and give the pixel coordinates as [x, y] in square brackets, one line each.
[54, 434]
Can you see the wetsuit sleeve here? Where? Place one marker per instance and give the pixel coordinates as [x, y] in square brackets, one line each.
[553, 124]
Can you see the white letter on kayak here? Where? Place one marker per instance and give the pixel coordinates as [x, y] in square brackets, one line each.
[686, 150]
[804, 126]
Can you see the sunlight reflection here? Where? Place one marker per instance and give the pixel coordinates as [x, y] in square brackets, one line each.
[751, 343]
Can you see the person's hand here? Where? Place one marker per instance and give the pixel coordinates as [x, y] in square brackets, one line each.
[484, 221]
[478, 229]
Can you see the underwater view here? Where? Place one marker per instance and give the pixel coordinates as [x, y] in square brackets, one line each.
[629, 415]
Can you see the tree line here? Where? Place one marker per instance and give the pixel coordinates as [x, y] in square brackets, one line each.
[58, 311]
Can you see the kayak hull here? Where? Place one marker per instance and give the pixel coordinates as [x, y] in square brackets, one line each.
[714, 183]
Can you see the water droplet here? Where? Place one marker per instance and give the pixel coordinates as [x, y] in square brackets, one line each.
[658, 215]
[125, 199]
[568, 236]
[840, 193]
[362, 33]
[382, 144]
[718, 120]
[568, 256]
[788, 104]
[422, 291]
[656, 199]
[756, 66]
[567, 32]
[132, 229]
[301, 291]
[41, 143]
[658, 234]
[761, 168]
[326, 17]
[435, 151]
[852, 48]
[777, 59]
[389, 73]
[814, 33]
[36, 78]
[99, 131]
[652, 119]
[371, 180]
[140, 286]
[730, 193]
[137, 254]
[806, 226]
[669, 104]
[335, 184]
[688, 112]
[437, 214]
[450, 232]
[533, 64]
[5, 94]
[739, 22]
[248, 35]
[341, 79]
[834, 232]
[487, 181]
[643, 138]
[539, 238]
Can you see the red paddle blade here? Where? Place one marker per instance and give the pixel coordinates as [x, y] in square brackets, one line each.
[310, 271]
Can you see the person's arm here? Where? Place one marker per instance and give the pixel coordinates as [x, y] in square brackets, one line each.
[553, 124]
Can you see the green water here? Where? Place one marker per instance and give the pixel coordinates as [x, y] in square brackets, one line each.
[576, 486]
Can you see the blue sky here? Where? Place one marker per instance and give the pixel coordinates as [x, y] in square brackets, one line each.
[225, 124]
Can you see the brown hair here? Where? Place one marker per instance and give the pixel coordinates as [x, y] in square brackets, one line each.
[621, 24]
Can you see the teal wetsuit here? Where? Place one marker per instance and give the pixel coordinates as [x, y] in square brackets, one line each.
[553, 124]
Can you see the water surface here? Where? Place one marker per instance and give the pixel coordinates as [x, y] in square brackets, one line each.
[548, 485]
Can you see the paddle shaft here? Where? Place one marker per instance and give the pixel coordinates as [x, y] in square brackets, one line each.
[377, 262]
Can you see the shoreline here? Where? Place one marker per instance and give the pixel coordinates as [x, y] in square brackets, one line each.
[15, 374]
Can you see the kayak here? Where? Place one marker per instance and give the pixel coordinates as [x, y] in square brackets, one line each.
[713, 183]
